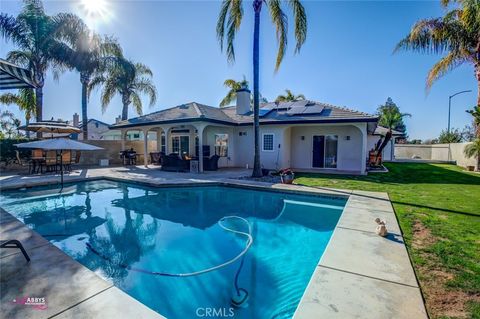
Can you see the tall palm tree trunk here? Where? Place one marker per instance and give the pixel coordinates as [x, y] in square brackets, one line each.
[257, 171]
[27, 122]
[126, 103]
[39, 106]
[84, 79]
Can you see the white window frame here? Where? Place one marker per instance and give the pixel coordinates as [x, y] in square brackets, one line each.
[273, 142]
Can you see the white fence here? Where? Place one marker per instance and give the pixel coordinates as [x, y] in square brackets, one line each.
[435, 152]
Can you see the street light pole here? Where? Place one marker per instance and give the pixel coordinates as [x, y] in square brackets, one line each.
[450, 105]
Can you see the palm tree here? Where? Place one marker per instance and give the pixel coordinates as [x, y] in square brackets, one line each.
[35, 35]
[88, 53]
[475, 112]
[228, 24]
[289, 97]
[390, 118]
[129, 80]
[473, 150]
[455, 35]
[233, 86]
[25, 100]
[232, 93]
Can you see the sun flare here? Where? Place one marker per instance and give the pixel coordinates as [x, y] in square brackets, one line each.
[96, 8]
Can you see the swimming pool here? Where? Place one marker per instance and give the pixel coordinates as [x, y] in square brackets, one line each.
[175, 230]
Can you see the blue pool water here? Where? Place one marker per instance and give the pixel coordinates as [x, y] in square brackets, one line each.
[175, 230]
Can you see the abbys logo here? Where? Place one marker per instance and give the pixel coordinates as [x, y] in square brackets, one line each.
[39, 303]
[208, 312]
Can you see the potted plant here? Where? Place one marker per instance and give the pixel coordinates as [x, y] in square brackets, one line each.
[287, 176]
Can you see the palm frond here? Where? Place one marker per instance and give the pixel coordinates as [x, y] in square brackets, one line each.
[473, 149]
[13, 30]
[22, 58]
[109, 90]
[229, 98]
[442, 67]
[279, 19]
[233, 25]
[142, 70]
[300, 19]
[137, 103]
[222, 17]
[147, 87]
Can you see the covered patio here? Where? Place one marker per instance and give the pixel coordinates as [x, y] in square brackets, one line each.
[192, 141]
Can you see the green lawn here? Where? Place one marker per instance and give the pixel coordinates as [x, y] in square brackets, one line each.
[438, 207]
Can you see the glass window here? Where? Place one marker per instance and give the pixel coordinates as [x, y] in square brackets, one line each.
[175, 144]
[163, 143]
[221, 145]
[331, 146]
[268, 142]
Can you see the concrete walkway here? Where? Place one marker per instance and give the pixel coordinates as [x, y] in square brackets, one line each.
[363, 275]
[70, 289]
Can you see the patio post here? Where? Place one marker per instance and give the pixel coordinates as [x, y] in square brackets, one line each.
[159, 140]
[166, 130]
[200, 129]
[145, 147]
[364, 149]
[123, 134]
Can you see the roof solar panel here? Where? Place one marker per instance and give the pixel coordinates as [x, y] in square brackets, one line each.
[305, 108]
[263, 112]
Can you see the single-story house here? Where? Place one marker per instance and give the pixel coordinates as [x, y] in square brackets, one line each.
[302, 135]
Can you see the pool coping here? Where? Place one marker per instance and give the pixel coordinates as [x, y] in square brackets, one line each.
[380, 268]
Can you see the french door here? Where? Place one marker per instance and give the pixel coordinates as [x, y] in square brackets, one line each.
[181, 144]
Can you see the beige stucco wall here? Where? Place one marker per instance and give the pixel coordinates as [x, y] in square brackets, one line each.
[276, 159]
[111, 150]
[289, 149]
[435, 152]
[349, 151]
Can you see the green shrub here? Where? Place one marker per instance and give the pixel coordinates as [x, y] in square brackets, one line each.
[7, 150]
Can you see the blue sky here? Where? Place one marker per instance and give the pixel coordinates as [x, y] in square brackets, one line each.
[347, 59]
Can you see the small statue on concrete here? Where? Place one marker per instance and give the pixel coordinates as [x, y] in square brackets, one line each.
[381, 227]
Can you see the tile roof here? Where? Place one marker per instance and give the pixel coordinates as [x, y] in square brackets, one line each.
[273, 114]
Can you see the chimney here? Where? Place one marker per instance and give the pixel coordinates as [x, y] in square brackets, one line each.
[243, 101]
[76, 119]
[118, 119]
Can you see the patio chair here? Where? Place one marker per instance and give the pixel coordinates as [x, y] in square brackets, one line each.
[51, 161]
[211, 164]
[174, 163]
[155, 158]
[66, 160]
[13, 243]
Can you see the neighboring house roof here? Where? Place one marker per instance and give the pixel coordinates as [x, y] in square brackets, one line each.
[270, 113]
[80, 124]
[380, 130]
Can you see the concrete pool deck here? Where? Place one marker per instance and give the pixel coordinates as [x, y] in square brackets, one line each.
[360, 275]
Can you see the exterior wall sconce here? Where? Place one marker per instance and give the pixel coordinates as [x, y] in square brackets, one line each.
[347, 138]
[302, 138]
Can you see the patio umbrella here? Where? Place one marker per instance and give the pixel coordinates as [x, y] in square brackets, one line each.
[59, 144]
[14, 77]
[52, 127]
